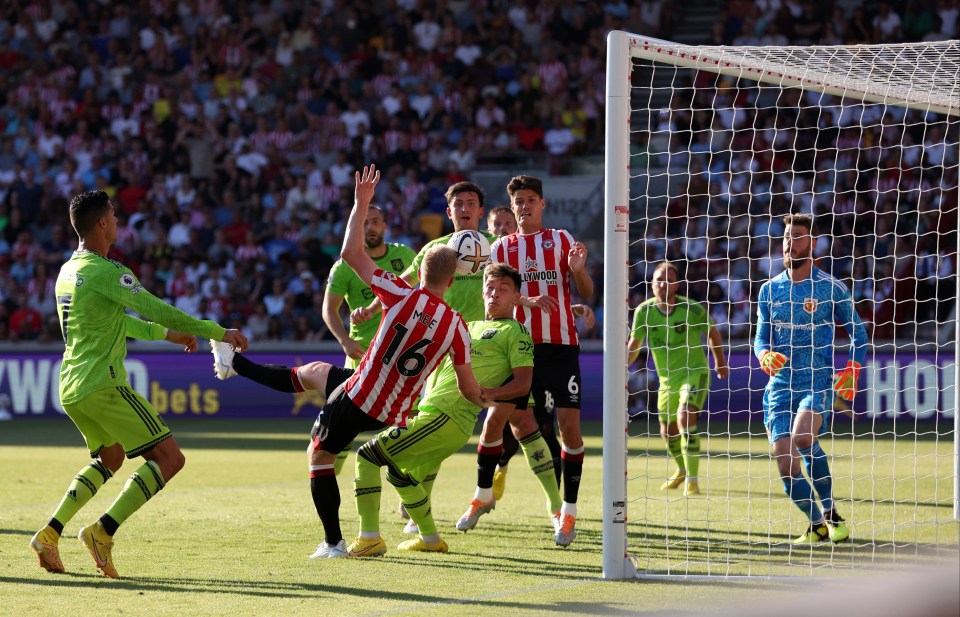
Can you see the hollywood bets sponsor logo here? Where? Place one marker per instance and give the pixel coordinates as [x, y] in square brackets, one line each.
[550, 277]
[33, 386]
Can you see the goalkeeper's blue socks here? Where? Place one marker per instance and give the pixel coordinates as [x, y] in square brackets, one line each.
[815, 460]
[799, 491]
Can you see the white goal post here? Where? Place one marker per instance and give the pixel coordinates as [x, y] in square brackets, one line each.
[924, 77]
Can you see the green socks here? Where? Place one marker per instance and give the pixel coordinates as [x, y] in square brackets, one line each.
[143, 484]
[84, 486]
[538, 457]
[690, 447]
[428, 481]
[676, 451]
[417, 503]
[367, 489]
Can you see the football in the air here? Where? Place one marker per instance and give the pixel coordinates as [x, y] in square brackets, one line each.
[473, 249]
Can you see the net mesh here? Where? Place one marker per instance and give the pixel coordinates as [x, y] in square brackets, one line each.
[717, 160]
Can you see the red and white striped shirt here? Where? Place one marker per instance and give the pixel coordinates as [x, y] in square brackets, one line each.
[417, 330]
[541, 260]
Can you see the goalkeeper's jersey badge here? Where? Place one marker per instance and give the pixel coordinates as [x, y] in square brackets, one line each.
[810, 305]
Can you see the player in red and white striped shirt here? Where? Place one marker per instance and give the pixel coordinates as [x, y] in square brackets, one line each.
[417, 330]
[548, 260]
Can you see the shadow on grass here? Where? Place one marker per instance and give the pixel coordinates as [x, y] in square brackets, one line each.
[16, 532]
[945, 503]
[256, 588]
[292, 434]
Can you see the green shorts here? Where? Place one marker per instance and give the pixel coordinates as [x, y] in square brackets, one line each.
[691, 392]
[118, 415]
[428, 439]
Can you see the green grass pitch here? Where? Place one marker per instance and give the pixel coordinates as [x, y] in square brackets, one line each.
[231, 534]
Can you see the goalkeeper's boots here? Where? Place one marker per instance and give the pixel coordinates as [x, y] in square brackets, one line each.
[474, 511]
[417, 544]
[367, 547]
[499, 482]
[330, 551]
[100, 545]
[839, 532]
[46, 544]
[691, 488]
[564, 528]
[411, 528]
[222, 359]
[675, 480]
[817, 532]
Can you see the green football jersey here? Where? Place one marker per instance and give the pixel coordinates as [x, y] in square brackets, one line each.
[92, 293]
[675, 340]
[466, 294]
[344, 282]
[497, 347]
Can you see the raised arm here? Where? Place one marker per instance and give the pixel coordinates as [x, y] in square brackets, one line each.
[352, 251]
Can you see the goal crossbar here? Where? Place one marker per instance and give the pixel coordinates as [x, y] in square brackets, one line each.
[891, 74]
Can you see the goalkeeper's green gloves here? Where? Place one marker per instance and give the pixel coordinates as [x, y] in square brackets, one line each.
[846, 383]
[772, 361]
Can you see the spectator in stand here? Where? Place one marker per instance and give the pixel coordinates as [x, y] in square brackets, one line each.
[26, 322]
[949, 12]
[886, 25]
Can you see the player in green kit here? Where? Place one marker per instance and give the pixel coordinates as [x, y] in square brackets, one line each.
[672, 326]
[92, 295]
[344, 284]
[502, 222]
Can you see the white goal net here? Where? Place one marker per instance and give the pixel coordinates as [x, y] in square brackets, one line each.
[707, 149]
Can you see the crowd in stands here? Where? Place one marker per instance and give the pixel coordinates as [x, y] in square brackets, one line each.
[227, 132]
[835, 22]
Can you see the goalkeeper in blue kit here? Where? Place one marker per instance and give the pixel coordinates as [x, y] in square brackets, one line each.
[797, 315]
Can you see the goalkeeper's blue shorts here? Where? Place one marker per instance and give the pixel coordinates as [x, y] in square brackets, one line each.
[780, 407]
